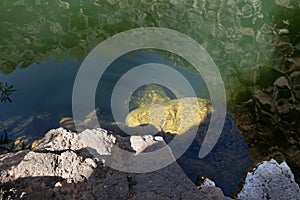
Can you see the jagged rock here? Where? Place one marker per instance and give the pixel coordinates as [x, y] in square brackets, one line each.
[206, 182]
[226, 163]
[270, 180]
[207, 186]
[61, 167]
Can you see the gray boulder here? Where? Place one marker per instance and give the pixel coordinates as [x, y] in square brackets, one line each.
[62, 167]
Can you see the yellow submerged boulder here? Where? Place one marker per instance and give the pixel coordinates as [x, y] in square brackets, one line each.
[174, 116]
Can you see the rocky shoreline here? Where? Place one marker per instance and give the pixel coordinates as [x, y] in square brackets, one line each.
[61, 167]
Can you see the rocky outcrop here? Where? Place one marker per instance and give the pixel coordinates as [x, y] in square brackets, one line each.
[61, 167]
[270, 180]
[225, 164]
[208, 186]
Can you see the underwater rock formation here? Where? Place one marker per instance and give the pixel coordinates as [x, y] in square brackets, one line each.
[175, 116]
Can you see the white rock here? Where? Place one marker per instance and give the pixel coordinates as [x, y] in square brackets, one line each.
[58, 184]
[206, 183]
[270, 180]
[209, 187]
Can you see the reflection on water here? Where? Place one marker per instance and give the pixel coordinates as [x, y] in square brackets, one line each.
[5, 91]
[42, 97]
[236, 33]
[255, 44]
[276, 90]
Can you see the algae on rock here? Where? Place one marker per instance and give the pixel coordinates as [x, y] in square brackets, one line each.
[147, 95]
[175, 116]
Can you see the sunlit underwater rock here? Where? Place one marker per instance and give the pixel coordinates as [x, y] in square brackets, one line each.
[175, 116]
[148, 96]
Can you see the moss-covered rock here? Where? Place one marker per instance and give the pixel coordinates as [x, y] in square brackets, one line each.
[174, 116]
[148, 95]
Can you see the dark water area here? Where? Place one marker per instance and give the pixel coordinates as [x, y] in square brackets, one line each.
[43, 96]
[225, 164]
[42, 88]
[255, 45]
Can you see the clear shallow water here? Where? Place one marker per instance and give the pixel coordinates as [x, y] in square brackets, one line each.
[44, 92]
[255, 45]
[44, 87]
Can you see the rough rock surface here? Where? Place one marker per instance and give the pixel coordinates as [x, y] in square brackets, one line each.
[265, 139]
[225, 164]
[61, 167]
[175, 116]
[148, 95]
[208, 186]
[270, 180]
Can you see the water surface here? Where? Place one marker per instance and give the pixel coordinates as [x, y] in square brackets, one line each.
[254, 43]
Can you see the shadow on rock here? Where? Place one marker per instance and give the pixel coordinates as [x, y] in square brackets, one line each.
[62, 168]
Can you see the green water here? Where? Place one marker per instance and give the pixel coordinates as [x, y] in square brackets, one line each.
[238, 34]
[254, 43]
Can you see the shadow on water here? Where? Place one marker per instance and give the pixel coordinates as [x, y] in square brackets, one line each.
[225, 164]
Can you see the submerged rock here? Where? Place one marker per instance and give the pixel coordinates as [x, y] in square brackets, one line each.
[61, 167]
[148, 95]
[270, 180]
[175, 116]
